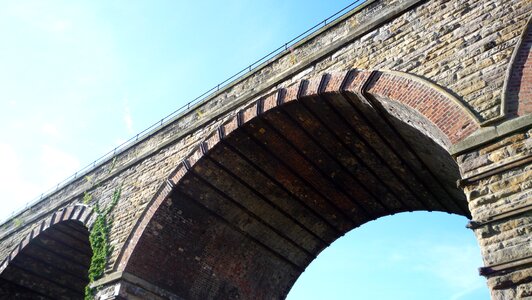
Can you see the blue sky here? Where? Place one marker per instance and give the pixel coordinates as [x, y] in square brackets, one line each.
[80, 77]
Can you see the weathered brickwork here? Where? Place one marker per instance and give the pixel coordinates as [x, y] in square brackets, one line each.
[448, 60]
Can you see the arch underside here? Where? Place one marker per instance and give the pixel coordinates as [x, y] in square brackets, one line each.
[249, 215]
[53, 265]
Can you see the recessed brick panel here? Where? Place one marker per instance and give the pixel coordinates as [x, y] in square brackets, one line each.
[519, 85]
[451, 118]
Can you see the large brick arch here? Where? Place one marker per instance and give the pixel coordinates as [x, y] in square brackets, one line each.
[52, 261]
[252, 206]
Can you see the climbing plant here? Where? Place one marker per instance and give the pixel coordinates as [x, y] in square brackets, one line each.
[99, 240]
[87, 198]
[17, 222]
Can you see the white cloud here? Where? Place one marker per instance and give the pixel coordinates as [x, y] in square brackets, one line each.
[24, 180]
[56, 165]
[463, 293]
[60, 25]
[15, 190]
[397, 257]
[128, 120]
[454, 264]
[10, 164]
[50, 130]
[119, 142]
[39, 15]
[448, 262]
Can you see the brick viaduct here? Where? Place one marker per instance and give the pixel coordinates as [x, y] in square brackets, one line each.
[400, 105]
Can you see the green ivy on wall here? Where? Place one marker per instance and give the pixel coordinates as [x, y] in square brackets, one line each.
[99, 240]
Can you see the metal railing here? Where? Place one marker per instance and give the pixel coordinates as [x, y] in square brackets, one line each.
[186, 107]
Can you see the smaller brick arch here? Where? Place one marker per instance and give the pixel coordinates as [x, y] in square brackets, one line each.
[55, 249]
[445, 112]
[517, 97]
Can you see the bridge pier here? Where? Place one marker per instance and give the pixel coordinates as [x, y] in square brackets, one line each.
[497, 180]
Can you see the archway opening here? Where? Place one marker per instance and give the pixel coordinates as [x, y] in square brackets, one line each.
[53, 265]
[255, 204]
[418, 255]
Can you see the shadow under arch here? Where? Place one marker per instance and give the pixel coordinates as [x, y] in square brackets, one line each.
[52, 261]
[254, 204]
